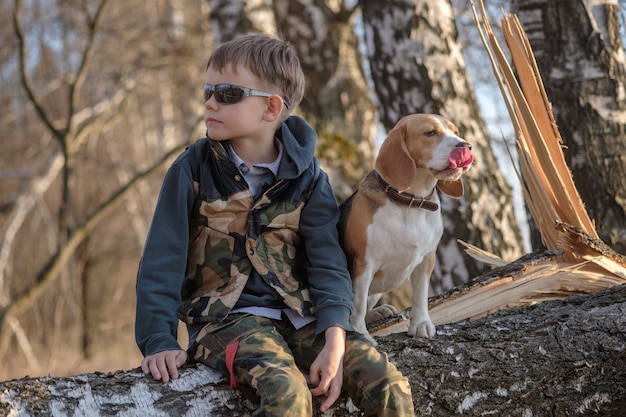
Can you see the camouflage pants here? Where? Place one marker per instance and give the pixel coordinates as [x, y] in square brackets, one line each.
[271, 354]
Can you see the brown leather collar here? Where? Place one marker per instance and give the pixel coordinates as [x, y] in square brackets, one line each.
[407, 199]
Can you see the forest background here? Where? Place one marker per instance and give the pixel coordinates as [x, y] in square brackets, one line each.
[98, 96]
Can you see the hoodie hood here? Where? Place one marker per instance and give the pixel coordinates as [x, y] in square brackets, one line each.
[299, 141]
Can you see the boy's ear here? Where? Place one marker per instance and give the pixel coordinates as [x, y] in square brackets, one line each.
[274, 109]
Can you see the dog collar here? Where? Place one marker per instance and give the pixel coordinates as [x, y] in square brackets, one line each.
[407, 199]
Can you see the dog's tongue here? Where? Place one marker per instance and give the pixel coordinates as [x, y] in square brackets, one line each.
[460, 157]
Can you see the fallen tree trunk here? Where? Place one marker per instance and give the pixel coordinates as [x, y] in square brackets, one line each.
[562, 358]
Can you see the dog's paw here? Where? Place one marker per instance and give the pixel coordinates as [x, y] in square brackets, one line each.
[425, 328]
[380, 312]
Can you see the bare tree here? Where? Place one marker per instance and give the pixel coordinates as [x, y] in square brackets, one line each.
[98, 94]
[69, 128]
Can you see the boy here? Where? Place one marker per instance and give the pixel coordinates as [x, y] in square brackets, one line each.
[248, 254]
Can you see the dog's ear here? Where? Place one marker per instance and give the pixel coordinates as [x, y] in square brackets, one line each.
[452, 188]
[394, 163]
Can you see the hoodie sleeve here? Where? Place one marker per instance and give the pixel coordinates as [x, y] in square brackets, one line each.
[329, 279]
[164, 261]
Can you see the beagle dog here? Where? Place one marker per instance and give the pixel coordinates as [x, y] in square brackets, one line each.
[391, 226]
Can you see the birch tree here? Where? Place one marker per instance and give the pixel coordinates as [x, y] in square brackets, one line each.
[580, 54]
[337, 103]
[561, 358]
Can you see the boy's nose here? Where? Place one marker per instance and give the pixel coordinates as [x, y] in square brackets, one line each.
[211, 103]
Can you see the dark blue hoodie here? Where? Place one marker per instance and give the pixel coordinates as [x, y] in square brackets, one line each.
[175, 260]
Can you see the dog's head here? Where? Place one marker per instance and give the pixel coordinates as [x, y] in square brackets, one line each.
[426, 143]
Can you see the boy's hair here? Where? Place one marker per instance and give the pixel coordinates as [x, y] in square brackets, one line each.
[270, 59]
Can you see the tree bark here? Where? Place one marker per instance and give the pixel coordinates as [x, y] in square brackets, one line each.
[417, 67]
[558, 358]
[337, 102]
[581, 59]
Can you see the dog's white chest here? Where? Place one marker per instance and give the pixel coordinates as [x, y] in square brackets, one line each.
[398, 240]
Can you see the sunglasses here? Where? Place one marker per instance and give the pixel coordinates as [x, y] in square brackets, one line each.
[231, 94]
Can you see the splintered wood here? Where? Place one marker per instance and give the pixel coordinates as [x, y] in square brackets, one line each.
[576, 261]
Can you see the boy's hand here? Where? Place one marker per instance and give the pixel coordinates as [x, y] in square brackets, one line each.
[326, 372]
[163, 365]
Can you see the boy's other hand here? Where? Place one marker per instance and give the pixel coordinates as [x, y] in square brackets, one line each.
[164, 365]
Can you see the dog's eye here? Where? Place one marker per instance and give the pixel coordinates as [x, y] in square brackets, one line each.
[430, 133]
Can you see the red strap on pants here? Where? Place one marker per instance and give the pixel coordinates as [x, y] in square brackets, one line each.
[231, 350]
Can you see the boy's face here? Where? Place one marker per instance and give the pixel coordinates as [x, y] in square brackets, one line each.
[243, 119]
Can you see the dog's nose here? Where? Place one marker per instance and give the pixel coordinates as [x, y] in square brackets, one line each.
[463, 145]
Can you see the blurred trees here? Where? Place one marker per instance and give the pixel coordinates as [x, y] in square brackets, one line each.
[98, 97]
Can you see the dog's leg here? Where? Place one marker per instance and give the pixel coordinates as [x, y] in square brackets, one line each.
[421, 324]
[360, 287]
[378, 313]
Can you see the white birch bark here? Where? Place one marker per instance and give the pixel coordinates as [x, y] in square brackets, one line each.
[561, 358]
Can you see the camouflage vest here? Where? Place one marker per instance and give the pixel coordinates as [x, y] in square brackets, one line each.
[230, 233]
